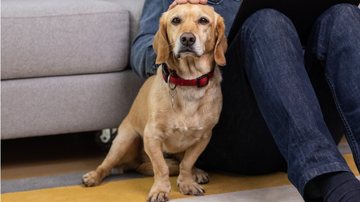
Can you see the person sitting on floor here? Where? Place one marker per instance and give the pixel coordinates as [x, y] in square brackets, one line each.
[292, 80]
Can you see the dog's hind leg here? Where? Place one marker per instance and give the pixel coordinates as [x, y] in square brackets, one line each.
[125, 140]
[146, 167]
[200, 176]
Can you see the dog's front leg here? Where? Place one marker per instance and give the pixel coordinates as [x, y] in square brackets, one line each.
[153, 147]
[123, 141]
[185, 181]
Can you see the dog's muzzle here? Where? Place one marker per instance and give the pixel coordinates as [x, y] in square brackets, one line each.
[187, 39]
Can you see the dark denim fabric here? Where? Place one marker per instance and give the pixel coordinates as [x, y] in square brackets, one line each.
[266, 65]
[279, 107]
[335, 44]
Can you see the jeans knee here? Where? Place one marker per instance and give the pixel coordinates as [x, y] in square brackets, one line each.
[266, 23]
[343, 13]
[343, 10]
[338, 27]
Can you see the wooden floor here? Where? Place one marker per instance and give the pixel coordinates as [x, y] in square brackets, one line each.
[61, 154]
[49, 155]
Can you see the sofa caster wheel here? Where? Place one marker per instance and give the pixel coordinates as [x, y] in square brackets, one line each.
[105, 137]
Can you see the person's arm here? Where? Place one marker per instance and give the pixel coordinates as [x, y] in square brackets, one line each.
[142, 58]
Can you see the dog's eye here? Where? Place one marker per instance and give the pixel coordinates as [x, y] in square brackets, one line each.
[203, 21]
[176, 21]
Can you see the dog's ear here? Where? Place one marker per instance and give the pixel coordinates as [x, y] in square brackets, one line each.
[161, 42]
[221, 42]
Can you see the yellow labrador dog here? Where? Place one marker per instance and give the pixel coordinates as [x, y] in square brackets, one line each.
[175, 110]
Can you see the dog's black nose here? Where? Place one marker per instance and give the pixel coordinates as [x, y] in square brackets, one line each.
[187, 39]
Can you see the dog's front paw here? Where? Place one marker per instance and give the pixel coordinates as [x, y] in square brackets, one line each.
[91, 179]
[200, 176]
[158, 197]
[191, 188]
[159, 192]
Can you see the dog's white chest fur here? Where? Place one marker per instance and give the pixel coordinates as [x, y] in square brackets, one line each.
[180, 141]
[183, 132]
[191, 119]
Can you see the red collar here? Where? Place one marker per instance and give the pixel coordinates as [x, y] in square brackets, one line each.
[171, 76]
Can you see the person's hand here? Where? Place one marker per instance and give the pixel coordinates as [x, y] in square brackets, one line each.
[176, 2]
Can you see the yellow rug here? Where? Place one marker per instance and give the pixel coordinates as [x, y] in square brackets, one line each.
[134, 190]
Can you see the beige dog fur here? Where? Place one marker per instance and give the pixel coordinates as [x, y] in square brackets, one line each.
[159, 123]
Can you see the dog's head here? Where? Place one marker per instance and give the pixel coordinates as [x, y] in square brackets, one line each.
[190, 30]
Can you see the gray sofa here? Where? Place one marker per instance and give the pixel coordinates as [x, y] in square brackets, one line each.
[65, 65]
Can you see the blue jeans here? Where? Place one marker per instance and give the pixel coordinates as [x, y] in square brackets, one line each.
[276, 100]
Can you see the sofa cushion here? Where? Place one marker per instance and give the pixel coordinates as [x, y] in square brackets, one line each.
[66, 104]
[63, 37]
[135, 9]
